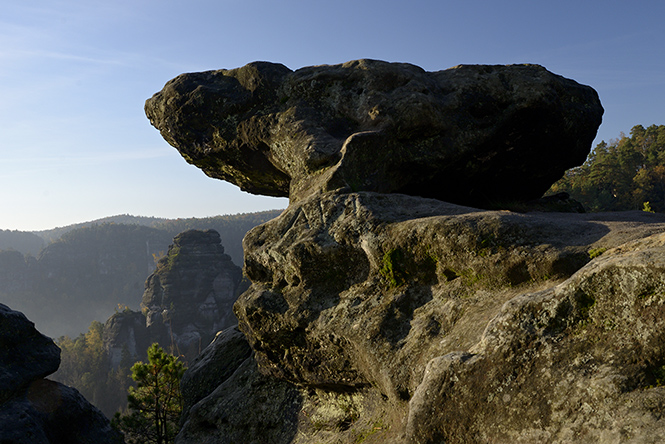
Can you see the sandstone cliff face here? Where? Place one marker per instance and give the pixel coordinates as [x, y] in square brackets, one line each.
[187, 300]
[34, 410]
[382, 317]
[190, 296]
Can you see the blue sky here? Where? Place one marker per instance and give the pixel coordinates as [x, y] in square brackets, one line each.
[74, 74]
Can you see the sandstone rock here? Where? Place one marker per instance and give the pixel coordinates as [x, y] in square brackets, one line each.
[473, 135]
[52, 413]
[215, 365]
[379, 315]
[187, 300]
[126, 333]
[390, 298]
[583, 361]
[189, 297]
[34, 410]
[352, 289]
[246, 407]
[25, 354]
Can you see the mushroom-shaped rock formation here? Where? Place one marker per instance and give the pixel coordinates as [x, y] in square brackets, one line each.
[478, 135]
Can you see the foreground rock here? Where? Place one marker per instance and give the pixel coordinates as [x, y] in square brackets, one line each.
[409, 320]
[473, 135]
[580, 362]
[245, 406]
[34, 410]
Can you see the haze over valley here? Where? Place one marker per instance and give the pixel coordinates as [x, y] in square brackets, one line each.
[63, 279]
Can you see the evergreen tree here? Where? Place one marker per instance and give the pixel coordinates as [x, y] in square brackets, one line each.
[622, 174]
[155, 404]
[85, 366]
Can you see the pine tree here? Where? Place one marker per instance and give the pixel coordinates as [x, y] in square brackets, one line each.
[622, 174]
[154, 406]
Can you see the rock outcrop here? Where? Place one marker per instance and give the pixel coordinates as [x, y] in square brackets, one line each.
[473, 135]
[34, 410]
[126, 336]
[408, 320]
[187, 300]
[378, 315]
[247, 406]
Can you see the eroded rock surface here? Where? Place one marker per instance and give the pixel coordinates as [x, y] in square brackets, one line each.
[25, 354]
[479, 135]
[583, 361]
[187, 300]
[394, 315]
[34, 410]
[191, 294]
[228, 400]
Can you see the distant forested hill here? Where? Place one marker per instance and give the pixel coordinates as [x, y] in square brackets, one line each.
[54, 234]
[625, 174]
[231, 228]
[21, 241]
[96, 268]
[83, 276]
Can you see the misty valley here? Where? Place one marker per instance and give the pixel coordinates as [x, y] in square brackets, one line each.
[83, 286]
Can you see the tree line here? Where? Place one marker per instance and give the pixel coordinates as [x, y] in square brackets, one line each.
[627, 173]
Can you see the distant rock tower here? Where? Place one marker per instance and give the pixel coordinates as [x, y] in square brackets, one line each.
[187, 300]
[190, 296]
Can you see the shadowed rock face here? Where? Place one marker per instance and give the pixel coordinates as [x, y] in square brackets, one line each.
[474, 135]
[193, 288]
[25, 353]
[187, 300]
[34, 410]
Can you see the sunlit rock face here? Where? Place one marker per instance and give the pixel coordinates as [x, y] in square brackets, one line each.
[34, 409]
[478, 135]
[410, 320]
[436, 309]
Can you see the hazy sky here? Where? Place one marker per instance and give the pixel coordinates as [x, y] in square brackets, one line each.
[75, 144]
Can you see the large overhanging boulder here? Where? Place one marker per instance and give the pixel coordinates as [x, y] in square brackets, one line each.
[479, 135]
